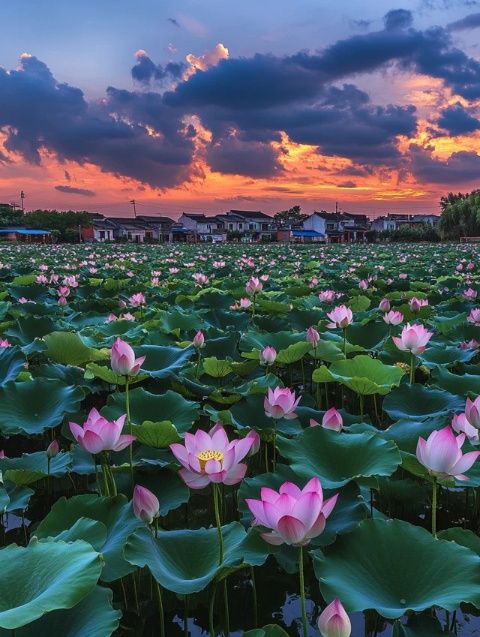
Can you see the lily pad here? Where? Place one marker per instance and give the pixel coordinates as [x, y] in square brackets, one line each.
[417, 401]
[363, 374]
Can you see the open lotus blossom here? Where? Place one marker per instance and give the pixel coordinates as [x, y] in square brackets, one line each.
[470, 294]
[393, 317]
[245, 303]
[472, 412]
[253, 286]
[280, 402]
[416, 304]
[461, 425]
[334, 621]
[441, 454]
[474, 316]
[268, 355]
[384, 305]
[123, 361]
[211, 457]
[5, 342]
[313, 337]
[471, 344]
[414, 339]
[99, 434]
[341, 316]
[146, 506]
[137, 300]
[293, 515]
[327, 296]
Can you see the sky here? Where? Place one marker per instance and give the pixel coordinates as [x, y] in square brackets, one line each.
[211, 105]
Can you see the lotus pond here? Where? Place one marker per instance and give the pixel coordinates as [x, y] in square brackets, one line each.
[261, 440]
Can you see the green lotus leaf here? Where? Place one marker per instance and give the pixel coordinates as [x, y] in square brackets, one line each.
[156, 434]
[114, 513]
[35, 405]
[462, 385]
[363, 374]
[186, 561]
[270, 630]
[337, 458]
[278, 340]
[12, 361]
[146, 406]
[418, 401]
[94, 370]
[64, 574]
[13, 497]
[216, 368]
[393, 567]
[420, 626]
[369, 336]
[464, 537]
[359, 303]
[69, 349]
[436, 355]
[28, 329]
[250, 413]
[94, 616]
[293, 353]
[167, 485]
[162, 361]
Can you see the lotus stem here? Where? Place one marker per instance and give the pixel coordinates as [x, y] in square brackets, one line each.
[302, 592]
[185, 615]
[106, 486]
[434, 508]
[345, 342]
[197, 368]
[412, 369]
[211, 608]
[226, 609]
[254, 591]
[129, 421]
[161, 614]
[362, 406]
[216, 496]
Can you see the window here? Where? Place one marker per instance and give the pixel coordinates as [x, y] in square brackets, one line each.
[230, 226]
[102, 234]
[330, 226]
[240, 226]
[251, 226]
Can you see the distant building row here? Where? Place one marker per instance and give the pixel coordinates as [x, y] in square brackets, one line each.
[248, 226]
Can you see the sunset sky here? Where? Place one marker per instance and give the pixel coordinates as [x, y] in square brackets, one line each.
[207, 105]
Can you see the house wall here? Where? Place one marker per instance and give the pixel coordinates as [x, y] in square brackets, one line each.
[315, 222]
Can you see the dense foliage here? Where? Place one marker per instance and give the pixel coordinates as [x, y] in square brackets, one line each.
[192, 436]
[460, 215]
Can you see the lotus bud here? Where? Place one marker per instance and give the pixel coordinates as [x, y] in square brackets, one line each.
[145, 504]
[332, 419]
[334, 621]
[384, 305]
[199, 340]
[52, 449]
[268, 355]
[313, 337]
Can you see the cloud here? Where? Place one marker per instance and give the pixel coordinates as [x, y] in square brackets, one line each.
[84, 192]
[398, 19]
[230, 155]
[457, 120]
[471, 21]
[146, 71]
[174, 22]
[347, 184]
[132, 135]
[460, 168]
[208, 59]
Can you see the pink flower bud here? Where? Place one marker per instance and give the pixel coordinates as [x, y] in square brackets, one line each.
[384, 305]
[332, 419]
[199, 340]
[146, 506]
[123, 361]
[334, 621]
[52, 449]
[313, 337]
[268, 355]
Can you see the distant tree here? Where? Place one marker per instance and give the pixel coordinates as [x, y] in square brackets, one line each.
[291, 217]
[419, 232]
[64, 224]
[9, 216]
[451, 198]
[461, 215]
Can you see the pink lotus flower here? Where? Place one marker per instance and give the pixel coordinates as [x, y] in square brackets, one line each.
[123, 361]
[416, 304]
[255, 438]
[137, 300]
[281, 403]
[461, 425]
[253, 286]
[470, 294]
[5, 342]
[384, 305]
[63, 290]
[294, 515]
[99, 434]
[363, 284]
[332, 419]
[199, 340]
[52, 449]
[62, 301]
[199, 278]
[245, 303]
[146, 506]
[474, 316]
[414, 339]
[268, 355]
[472, 344]
[341, 316]
[334, 621]
[211, 457]
[393, 317]
[472, 412]
[327, 296]
[441, 454]
[313, 337]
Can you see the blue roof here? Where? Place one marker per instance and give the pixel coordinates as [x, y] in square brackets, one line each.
[25, 231]
[307, 233]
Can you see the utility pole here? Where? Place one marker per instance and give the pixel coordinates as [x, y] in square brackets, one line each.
[336, 207]
[134, 204]
[22, 197]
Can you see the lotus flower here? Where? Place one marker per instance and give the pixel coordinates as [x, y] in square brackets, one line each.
[137, 300]
[52, 449]
[294, 515]
[416, 304]
[199, 340]
[5, 342]
[472, 412]
[332, 419]
[384, 305]
[327, 296]
[280, 403]
[441, 454]
[334, 621]
[255, 438]
[474, 316]
[210, 457]
[461, 425]
[472, 344]
[393, 317]
[341, 316]
[268, 355]
[123, 361]
[414, 339]
[99, 434]
[313, 337]
[146, 506]
[253, 286]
